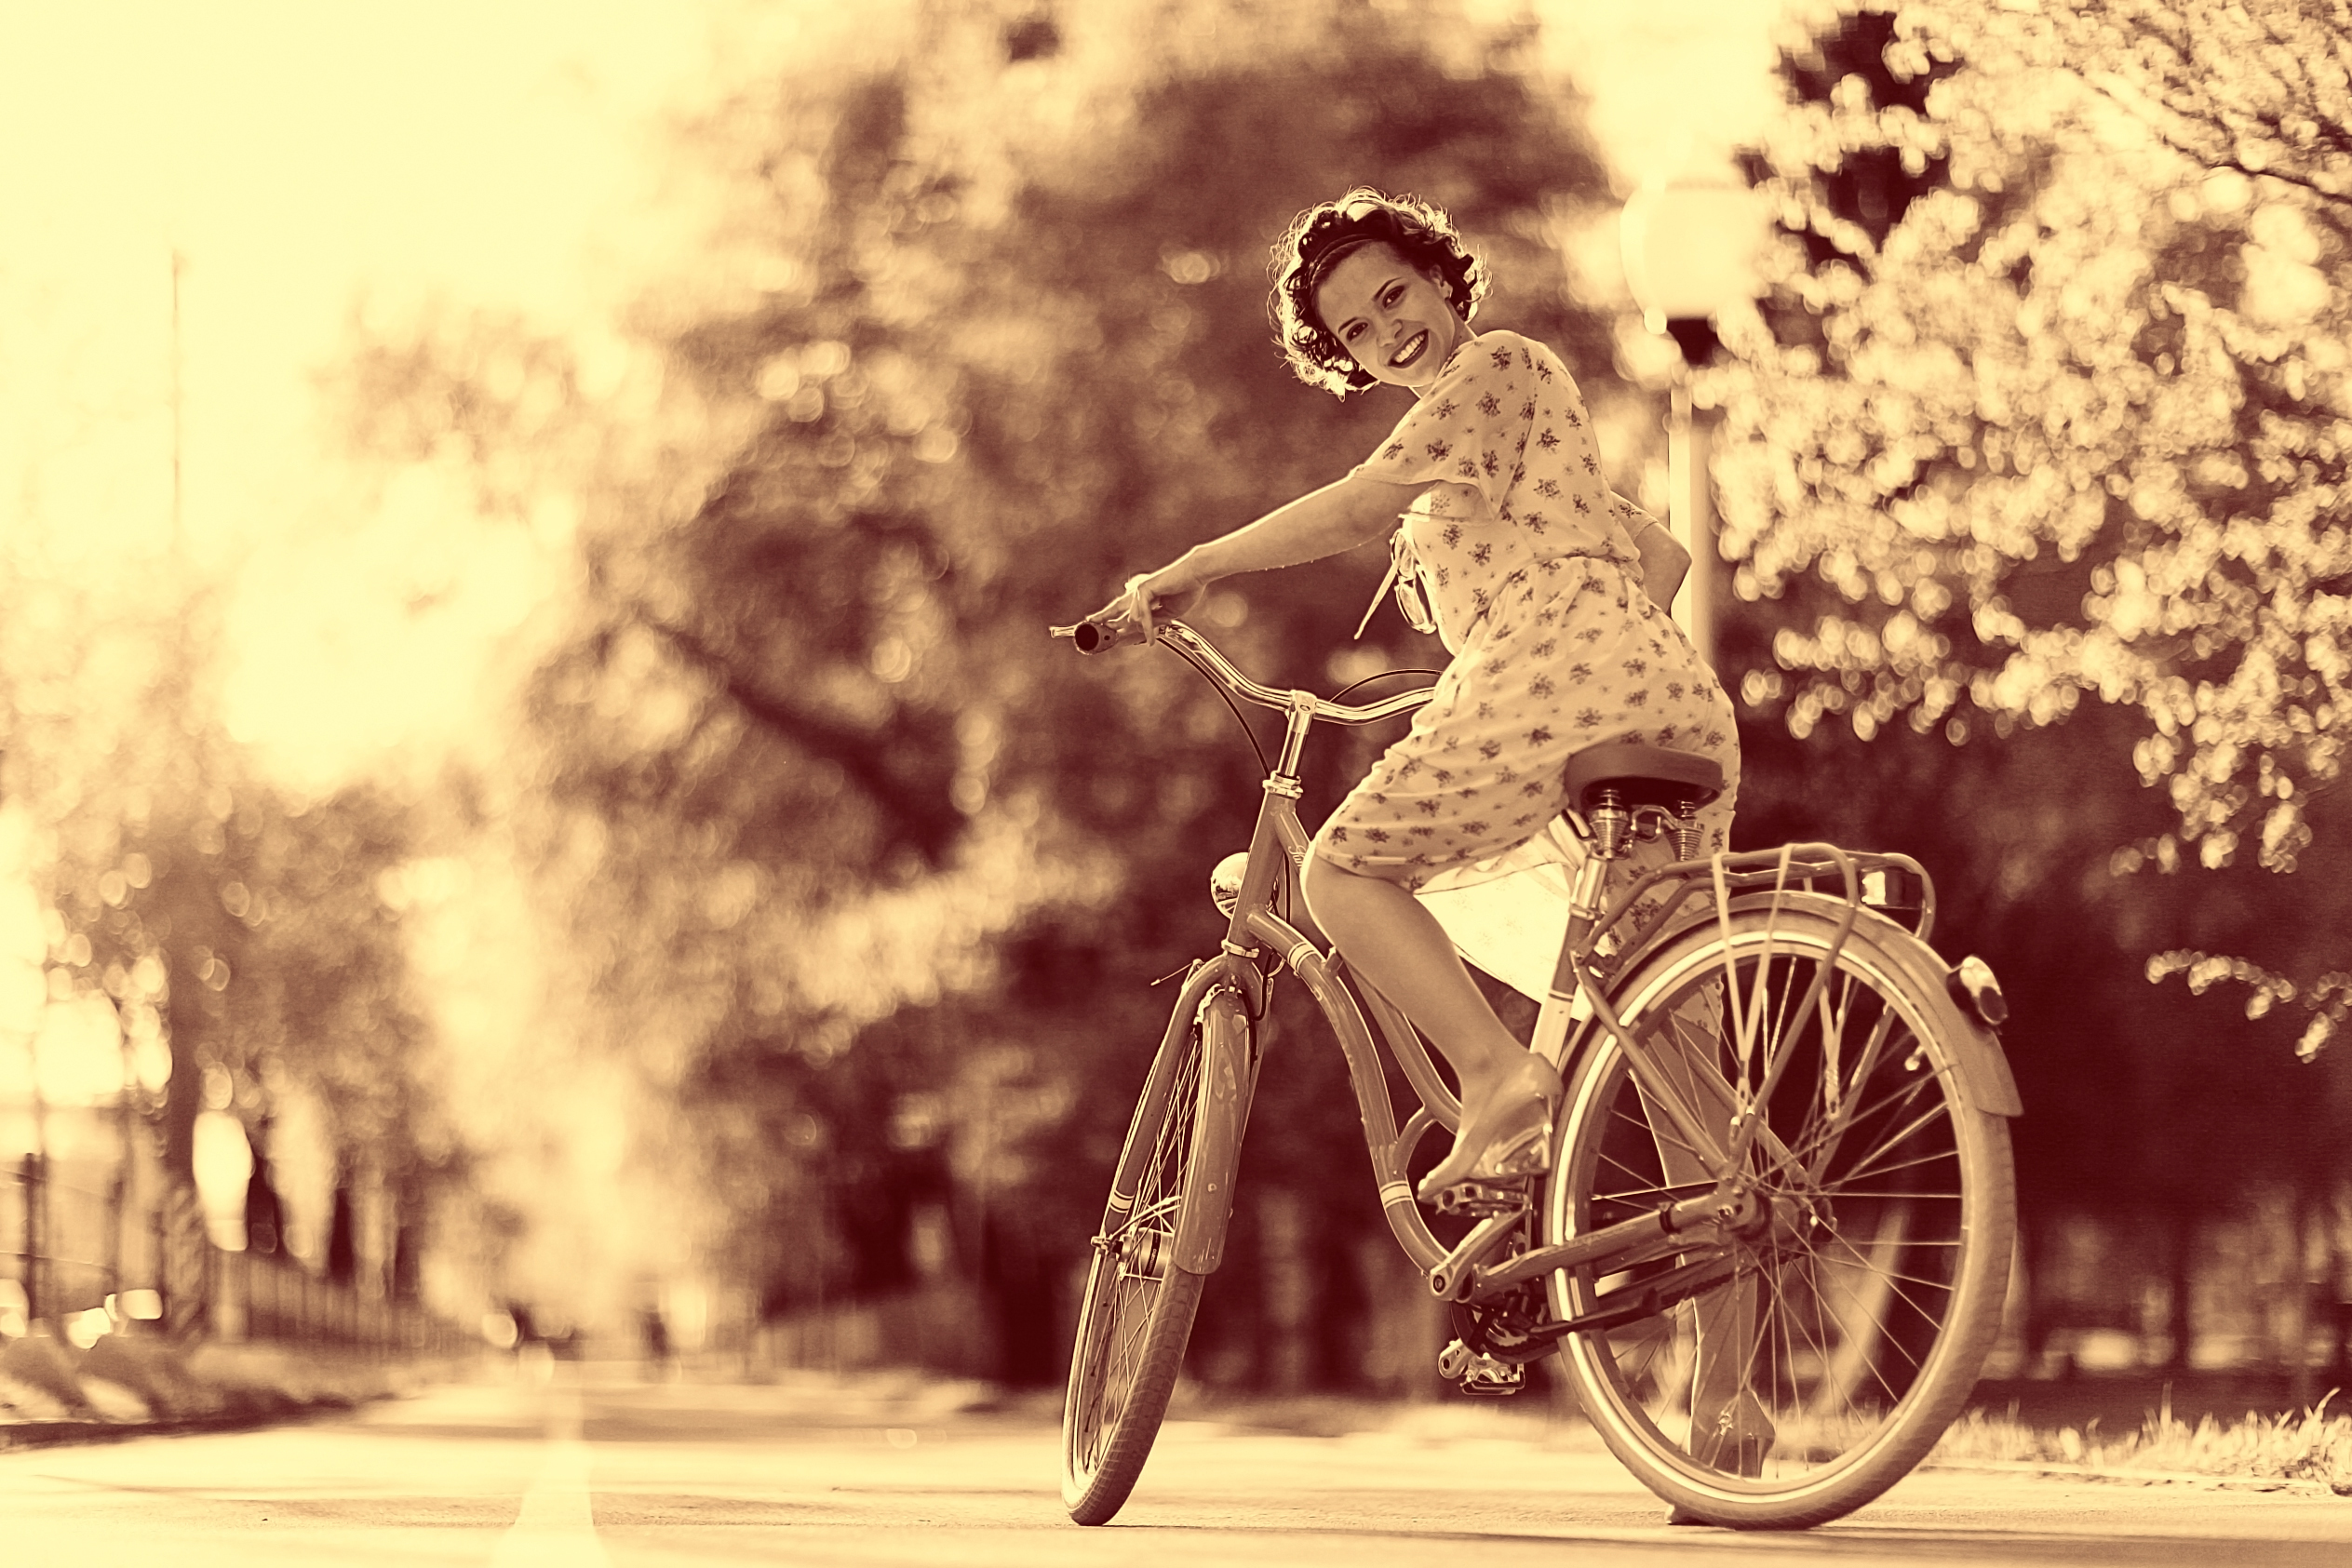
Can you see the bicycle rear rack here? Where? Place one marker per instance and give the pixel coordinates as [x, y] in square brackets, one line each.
[1889, 884]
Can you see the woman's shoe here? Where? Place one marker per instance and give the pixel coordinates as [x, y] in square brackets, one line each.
[1512, 1137]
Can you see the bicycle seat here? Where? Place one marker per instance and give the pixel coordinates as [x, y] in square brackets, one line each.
[1643, 775]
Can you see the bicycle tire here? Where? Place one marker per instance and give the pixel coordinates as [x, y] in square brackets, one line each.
[1137, 1313]
[1843, 1332]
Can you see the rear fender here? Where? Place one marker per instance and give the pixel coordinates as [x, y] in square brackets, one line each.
[1976, 1050]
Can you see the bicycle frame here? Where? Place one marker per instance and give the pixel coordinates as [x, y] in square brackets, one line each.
[1259, 940]
[1277, 852]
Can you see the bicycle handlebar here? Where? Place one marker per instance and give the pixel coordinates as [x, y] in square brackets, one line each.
[1094, 635]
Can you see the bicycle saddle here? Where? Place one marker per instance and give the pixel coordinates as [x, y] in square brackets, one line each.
[1643, 775]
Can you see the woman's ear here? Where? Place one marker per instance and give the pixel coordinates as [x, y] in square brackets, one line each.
[1436, 275]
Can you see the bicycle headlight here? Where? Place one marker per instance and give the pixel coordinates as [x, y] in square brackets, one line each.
[1224, 882]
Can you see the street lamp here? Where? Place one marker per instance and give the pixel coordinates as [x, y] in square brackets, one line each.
[1690, 250]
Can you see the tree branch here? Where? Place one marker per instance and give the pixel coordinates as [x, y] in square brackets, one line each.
[923, 817]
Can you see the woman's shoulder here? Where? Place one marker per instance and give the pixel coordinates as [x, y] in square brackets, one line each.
[1504, 351]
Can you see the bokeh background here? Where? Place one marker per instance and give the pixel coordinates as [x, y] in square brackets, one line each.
[534, 794]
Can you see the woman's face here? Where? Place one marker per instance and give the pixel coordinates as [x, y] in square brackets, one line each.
[1392, 318]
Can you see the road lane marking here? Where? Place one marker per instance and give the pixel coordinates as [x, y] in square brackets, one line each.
[555, 1528]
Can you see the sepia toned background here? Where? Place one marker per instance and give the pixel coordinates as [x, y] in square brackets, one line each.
[534, 794]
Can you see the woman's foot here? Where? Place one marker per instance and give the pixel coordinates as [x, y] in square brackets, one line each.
[1506, 1133]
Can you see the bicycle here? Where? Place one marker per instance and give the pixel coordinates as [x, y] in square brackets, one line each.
[1775, 1239]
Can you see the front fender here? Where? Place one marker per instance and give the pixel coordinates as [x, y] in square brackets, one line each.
[1226, 1081]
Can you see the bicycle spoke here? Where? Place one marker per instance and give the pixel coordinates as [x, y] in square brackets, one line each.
[1809, 1156]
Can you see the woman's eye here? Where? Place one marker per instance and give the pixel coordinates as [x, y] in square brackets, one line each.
[1396, 292]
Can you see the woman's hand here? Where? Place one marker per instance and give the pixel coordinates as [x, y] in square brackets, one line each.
[1664, 561]
[1171, 591]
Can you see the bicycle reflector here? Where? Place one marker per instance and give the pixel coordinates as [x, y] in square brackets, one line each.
[1893, 889]
[1972, 982]
[1224, 882]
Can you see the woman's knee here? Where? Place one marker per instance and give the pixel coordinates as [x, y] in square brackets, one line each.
[1319, 879]
[1333, 890]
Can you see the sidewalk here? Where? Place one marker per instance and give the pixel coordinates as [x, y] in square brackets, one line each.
[127, 1386]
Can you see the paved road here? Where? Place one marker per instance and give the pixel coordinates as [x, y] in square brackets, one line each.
[585, 1470]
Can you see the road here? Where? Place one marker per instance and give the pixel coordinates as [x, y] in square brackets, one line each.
[590, 1468]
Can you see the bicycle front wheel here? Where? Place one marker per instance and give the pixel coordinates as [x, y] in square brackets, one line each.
[1785, 1374]
[1137, 1313]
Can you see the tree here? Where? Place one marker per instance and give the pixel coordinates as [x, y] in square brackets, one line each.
[868, 874]
[2036, 410]
[2065, 425]
[238, 933]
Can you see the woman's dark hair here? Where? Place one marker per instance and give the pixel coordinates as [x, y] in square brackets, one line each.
[1324, 235]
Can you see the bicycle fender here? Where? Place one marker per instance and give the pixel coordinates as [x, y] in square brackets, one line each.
[1225, 1095]
[1982, 1062]
[1976, 1050]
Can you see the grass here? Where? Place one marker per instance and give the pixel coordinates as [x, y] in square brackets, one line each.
[2310, 1446]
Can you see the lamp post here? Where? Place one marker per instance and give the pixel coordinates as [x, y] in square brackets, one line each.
[1689, 249]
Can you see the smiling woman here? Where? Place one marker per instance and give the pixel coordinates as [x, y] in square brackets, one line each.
[1549, 591]
[1406, 239]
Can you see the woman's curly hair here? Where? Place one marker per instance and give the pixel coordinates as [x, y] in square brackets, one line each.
[1322, 237]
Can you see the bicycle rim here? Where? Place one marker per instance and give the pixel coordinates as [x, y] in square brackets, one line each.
[1791, 1373]
[1138, 1308]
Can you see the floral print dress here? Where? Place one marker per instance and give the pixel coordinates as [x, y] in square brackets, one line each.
[1528, 561]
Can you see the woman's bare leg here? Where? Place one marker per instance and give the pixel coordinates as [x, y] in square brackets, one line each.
[1387, 936]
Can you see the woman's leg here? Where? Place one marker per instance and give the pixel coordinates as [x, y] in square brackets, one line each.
[1387, 936]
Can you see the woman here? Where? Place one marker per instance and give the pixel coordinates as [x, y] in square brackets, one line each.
[1537, 573]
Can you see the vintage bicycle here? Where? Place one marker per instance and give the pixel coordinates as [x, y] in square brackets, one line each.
[1773, 1245]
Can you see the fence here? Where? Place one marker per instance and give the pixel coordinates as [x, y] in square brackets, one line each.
[63, 1247]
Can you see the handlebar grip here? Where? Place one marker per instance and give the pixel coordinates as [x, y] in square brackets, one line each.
[1092, 636]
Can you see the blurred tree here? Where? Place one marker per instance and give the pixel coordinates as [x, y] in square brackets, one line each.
[865, 874]
[237, 932]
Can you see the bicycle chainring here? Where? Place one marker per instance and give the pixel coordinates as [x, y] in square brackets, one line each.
[1509, 1328]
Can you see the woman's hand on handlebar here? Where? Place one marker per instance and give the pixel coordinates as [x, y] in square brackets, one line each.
[1173, 590]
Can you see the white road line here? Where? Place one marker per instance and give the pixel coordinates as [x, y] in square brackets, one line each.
[556, 1529]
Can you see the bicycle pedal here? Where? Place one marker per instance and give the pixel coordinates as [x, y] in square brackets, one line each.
[1481, 1199]
[1476, 1373]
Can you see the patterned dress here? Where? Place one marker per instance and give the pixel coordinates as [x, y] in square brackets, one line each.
[1528, 561]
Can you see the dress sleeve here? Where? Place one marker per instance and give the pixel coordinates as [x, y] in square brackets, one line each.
[1633, 517]
[1472, 428]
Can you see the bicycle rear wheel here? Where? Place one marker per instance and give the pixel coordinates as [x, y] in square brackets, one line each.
[1788, 1375]
[1137, 1313]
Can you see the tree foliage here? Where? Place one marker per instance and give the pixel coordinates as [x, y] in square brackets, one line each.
[865, 874]
[238, 933]
[2069, 417]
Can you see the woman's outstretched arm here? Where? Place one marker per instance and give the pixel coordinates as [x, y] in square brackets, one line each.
[1340, 516]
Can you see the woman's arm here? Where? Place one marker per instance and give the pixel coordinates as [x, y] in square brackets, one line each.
[1664, 562]
[1340, 516]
